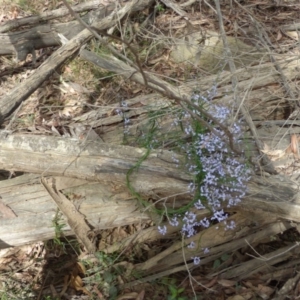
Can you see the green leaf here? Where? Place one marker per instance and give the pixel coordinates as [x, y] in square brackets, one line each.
[173, 290]
[113, 292]
[216, 264]
[224, 257]
[108, 277]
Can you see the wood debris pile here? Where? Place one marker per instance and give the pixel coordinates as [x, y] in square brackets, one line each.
[73, 154]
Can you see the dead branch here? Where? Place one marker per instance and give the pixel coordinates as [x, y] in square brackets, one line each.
[75, 219]
[93, 161]
[169, 262]
[265, 161]
[22, 43]
[50, 15]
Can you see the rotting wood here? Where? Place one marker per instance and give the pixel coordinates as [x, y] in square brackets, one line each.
[217, 239]
[11, 100]
[261, 264]
[254, 81]
[26, 41]
[95, 161]
[270, 201]
[167, 262]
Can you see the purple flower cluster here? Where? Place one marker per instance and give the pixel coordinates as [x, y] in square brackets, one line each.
[223, 175]
[122, 112]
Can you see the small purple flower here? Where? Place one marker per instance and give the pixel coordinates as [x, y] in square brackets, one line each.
[220, 177]
[189, 217]
[219, 215]
[231, 225]
[162, 230]
[191, 245]
[205, 250]
[205, 223]
[188, 230]
[199, 205]
[191, 187]
[196, 260]
[174, 222]
[124, 103]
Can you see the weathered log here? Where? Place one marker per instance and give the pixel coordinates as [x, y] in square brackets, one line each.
[105, 205]
[158, 177]
[49, 15]
[159, 172]
[22, 43]
[261, 101]
[94, 161]
[219, 241]
[26, 41]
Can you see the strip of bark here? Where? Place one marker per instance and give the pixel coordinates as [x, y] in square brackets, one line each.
[76, 220]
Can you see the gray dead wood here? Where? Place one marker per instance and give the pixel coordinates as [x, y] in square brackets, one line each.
[157, 177]
[104, 205]
[20, 93]
[75, 218]
[22, 43]
[158, 174]
[261, 264]
[115, 65]
[176, 8]
[47, 16]
[9, 102]
[261, 101]
[218, 241]
[106, 166]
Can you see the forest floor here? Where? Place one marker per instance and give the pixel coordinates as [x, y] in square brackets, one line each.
[58, 268]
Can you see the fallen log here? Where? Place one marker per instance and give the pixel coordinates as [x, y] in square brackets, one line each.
[157, 178]
[47, 16]
[95, 161]
[106, 206]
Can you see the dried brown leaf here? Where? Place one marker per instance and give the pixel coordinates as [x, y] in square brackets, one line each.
[227, 283]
